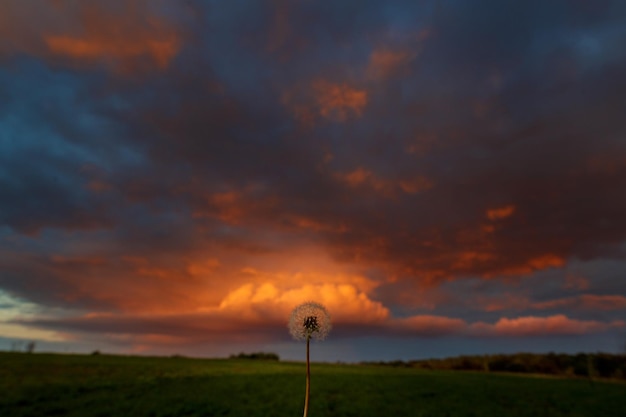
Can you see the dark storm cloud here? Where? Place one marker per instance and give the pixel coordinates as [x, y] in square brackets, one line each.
[530, 137]
[218, 124]
[221, 125]
[45, 185]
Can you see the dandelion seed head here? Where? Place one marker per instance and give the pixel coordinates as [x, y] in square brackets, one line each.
[309, 320]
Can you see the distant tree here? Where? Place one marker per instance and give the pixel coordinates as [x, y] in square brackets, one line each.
[580, 364]
[256, 355]
[604, 365]
[177, 356]
[30, 347]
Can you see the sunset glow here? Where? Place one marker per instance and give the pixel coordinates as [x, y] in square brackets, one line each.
[445, 178]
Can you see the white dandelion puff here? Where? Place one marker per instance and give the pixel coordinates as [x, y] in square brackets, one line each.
[309, 321]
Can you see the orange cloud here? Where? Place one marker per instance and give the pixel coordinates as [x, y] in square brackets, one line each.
[126, 37]
[113, 47]
[546, 261]
[387, 61]
[487, 228]
[543, 326]
[384, 63]
[306, 265]
[416, 185]
[338, 101]
[468, 259]
[321, 98]
[364, 177]
[531, 265]
[358, 177]
[502, 302]
[344, 301]
[214, 278]
[302, 222]
[137, 284]
[500, 212]
[603, 302]
[576, 282]
[236, 206]
[585, 301]
[230, 206]
[203, 268]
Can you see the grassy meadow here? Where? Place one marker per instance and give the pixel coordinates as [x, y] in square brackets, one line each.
[38, 385]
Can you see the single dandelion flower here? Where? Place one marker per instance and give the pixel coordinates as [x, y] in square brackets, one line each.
[309, 321]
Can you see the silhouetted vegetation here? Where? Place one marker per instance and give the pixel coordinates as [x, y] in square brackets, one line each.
[257, 355]
[603, 365]
[20, 345]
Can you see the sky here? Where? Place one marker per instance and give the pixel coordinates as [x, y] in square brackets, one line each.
[446, 177]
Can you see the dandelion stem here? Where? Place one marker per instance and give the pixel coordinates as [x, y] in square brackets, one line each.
[308, 378]
[309, 321]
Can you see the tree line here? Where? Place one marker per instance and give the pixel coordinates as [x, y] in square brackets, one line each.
[256, 355]
[603, 365]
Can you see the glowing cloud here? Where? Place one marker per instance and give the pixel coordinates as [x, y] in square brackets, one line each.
[118, 49]
[393, 56]
[585, 302]
[364, 177]
[346, 302]
[543, 326]
[384, 63]
[416, 185]
[466, 260]
[126, 36]
[500, 212]
[536, 263]
[324, 99]
[338, 101]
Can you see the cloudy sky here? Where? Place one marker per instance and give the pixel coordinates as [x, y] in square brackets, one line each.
[447, 177]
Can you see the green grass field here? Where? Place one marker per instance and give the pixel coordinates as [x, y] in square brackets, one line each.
[40, 385]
